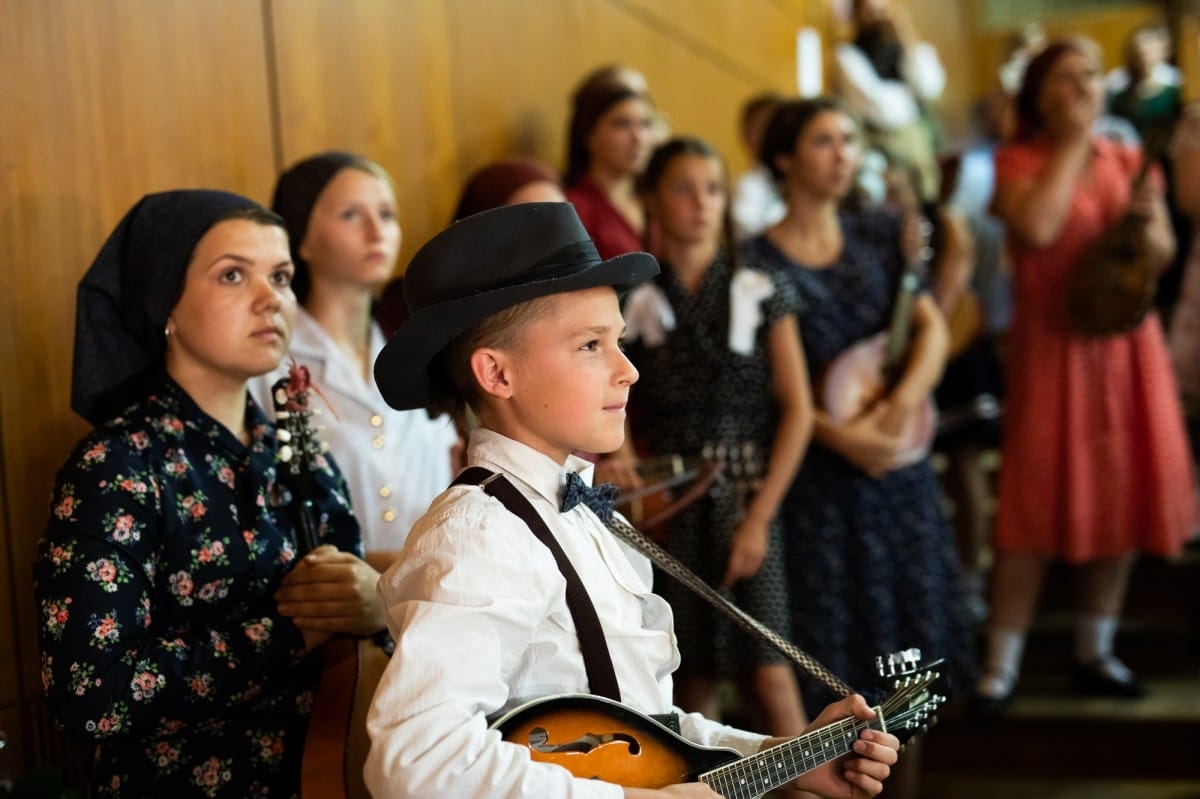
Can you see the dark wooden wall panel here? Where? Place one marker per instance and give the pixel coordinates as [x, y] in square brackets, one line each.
[102, 102]
[374, 77]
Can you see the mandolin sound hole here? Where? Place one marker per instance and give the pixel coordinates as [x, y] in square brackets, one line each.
[584, 744]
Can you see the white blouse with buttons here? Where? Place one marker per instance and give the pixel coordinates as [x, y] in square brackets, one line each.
[407, 464]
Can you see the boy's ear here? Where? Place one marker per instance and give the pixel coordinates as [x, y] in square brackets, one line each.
[490, 368]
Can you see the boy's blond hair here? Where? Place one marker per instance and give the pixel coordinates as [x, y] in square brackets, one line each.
[501, 331]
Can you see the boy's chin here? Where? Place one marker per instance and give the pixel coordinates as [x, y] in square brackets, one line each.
[605, 445]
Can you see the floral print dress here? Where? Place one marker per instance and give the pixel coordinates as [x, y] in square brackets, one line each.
[154, 582]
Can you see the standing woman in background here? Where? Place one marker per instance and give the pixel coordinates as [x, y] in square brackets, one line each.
[611, 134]
[176, 623]
[342, 222]
[1095, 463]
[722, 376]
[869, 547]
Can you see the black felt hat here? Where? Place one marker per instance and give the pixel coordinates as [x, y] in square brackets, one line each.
[127, 294]
[481, 265]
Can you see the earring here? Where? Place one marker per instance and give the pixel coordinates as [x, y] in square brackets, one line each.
[167, 331]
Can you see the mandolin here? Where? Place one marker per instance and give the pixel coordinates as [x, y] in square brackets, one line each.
[670, 484]
[336, 744]
[597, 738]
[1112, 287]
[869, 369]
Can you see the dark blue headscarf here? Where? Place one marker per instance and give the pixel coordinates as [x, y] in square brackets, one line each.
[127, 294]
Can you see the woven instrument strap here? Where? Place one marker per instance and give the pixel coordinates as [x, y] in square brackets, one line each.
[683, 574]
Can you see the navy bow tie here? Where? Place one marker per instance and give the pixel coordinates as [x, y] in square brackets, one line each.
[602, 499]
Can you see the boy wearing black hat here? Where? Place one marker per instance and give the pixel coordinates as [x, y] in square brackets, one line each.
[515, 315]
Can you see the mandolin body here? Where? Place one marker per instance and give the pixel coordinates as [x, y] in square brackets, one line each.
[594, 738]
[855, 381]
[598, 739]
[1112, 287]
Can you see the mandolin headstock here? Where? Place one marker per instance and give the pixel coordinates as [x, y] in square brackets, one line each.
[917, 692]
[299, 447]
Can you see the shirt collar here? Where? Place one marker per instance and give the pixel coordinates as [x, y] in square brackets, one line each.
[313, 347]
[541, 473]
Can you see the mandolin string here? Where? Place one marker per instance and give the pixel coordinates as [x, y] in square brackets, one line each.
[744, 620]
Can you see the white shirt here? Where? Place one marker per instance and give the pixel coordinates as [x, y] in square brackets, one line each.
[891, 104]
[394, 462]
[477, 606]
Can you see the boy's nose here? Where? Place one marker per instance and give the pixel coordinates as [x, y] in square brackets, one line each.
[626, 371]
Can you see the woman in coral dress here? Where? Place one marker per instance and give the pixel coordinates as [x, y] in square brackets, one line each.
[1095, 462]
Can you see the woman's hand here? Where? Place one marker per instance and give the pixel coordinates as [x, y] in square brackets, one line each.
[1070, 119]
[1143, 202]
[331, 591]
[865, 443]
[897, 413]
[747, 550]
[915, 230]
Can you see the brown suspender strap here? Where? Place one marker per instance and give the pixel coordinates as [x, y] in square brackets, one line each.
[602, 678]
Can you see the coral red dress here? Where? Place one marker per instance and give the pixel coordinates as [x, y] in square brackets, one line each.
[607, 226]
[1095, 460]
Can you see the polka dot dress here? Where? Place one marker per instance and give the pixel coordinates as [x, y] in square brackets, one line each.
[697, 396]
[871, 562]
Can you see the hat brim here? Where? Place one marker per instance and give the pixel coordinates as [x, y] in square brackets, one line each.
[402, 370]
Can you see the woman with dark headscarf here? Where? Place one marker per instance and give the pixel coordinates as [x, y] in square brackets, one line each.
[344, 230]
[1095, 463]
[175, 619]
[611, 134]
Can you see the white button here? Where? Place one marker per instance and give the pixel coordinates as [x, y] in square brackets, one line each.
[377, 442]
[385, 492]
[389, 515]
[376, 420]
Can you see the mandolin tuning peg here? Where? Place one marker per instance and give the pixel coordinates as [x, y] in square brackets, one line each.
[283, 435]
[324, 447]
[905, 661]
[281, 396]
[285, 453]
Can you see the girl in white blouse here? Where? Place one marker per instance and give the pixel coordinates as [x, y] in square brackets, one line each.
[344, 229]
